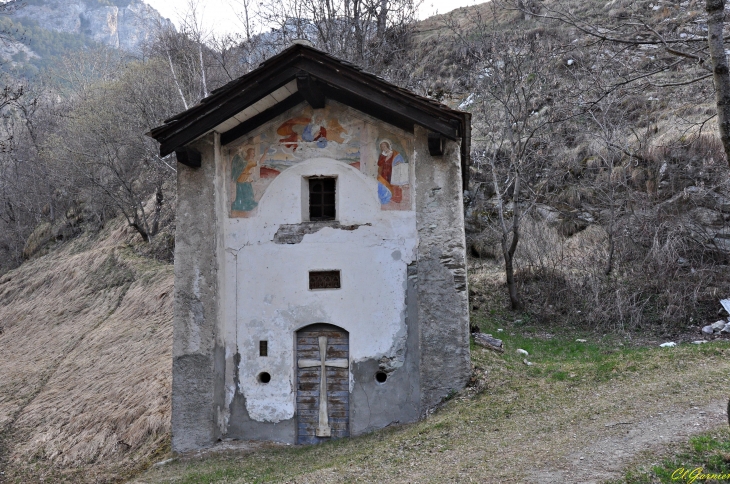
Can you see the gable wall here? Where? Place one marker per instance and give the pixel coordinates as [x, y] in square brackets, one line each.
[267, 296]
[443, 304]
[403, 296]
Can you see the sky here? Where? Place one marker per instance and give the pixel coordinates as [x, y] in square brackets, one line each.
[219, 16]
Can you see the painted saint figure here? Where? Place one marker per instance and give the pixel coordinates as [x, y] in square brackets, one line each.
[316, 131]
[241, 173]
[388, 189]
[290, 136]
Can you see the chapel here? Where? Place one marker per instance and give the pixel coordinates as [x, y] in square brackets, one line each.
[320, 263]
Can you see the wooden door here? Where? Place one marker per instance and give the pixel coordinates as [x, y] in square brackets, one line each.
[322, 361]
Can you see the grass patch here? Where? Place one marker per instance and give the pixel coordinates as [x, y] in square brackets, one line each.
[560, 356]
[514, 414]
[93, 404]
[705, 458]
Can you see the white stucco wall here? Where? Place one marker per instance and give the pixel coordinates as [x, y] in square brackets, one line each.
[265, 294]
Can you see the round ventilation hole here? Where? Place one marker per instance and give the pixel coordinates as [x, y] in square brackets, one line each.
[381, 376]
[266, 378]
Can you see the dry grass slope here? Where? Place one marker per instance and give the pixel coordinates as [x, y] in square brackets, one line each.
[86, 369]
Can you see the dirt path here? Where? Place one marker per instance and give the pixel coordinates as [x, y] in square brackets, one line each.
[607, 457]
[524, 427]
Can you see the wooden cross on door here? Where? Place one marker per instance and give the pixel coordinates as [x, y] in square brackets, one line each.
[323, 427]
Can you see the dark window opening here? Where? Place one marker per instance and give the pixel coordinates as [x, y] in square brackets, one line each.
[322, 198]
[324, 280]
[263, 348]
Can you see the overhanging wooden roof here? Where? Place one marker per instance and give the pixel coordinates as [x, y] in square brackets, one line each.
[302, 73]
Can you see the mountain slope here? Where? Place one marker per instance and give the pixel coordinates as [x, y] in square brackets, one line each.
[40, 32]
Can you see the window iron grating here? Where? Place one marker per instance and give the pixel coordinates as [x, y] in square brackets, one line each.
[324, 280]
[322, 198]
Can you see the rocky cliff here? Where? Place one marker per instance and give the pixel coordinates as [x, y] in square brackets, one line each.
[121, 24]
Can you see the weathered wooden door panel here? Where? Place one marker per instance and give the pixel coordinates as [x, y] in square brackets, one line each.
[322, 368]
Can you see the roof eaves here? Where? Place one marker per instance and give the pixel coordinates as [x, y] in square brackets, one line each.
[295, 55]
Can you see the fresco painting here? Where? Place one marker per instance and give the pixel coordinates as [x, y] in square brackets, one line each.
[333, 132]
[243, 166]
[314, 134]
[391, 174]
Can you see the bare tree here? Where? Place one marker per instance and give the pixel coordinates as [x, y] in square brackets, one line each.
[720, 72]
[247, 17]
[17, 215]
[679, 36]
[375, 34]
[102, 143]
[521, 99]
[193, 30]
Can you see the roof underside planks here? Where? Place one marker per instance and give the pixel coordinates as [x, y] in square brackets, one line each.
[299, 74]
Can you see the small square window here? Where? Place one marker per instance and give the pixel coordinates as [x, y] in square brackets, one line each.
[324, 280]
[322, 198]
[263, 348]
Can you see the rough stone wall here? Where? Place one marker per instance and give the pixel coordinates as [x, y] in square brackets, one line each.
[443, 310]
[196, 307]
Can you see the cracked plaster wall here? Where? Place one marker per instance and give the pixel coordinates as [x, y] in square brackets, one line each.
[271, 300]
[196, 306]
[403, 297]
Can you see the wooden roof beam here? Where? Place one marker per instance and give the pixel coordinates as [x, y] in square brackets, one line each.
[311, 90]
[189, 157]
[376, 96]
[224, 110]
[261, 118]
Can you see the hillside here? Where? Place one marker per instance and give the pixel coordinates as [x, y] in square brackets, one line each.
[86, 340]
[84, 397]
[626, 193]
[581, 413]
[626, 245]
[40, 32]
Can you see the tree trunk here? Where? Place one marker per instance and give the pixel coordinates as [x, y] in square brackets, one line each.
[248, 22]
[721, 75]
[174, 78]
[509, 251]
[611, 242]
[514, 301]
[508, 246]
[382, 19]
[159, 198]
[356, 11]
[202, 70]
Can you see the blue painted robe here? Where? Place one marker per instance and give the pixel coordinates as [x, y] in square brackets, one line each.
[244, 201]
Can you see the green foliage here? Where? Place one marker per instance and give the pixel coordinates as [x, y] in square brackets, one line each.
[216, 475]
[50, 46]
[558, 355]
[703, 455]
